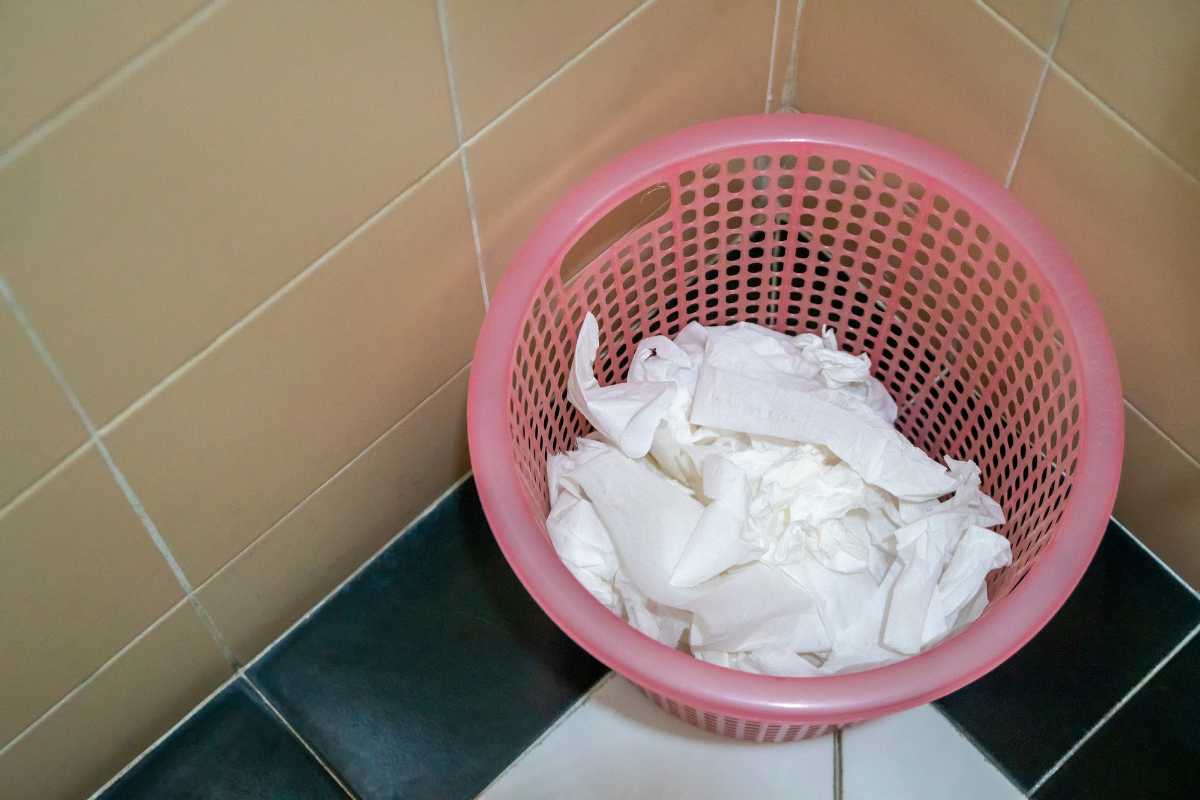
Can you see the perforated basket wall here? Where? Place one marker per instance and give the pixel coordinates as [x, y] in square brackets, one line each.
[956, 319]
[956, 325]
[736, 727]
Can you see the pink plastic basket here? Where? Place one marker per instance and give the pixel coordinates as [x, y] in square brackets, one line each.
[973, 316]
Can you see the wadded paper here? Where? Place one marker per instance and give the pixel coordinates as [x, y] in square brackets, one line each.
[745, 497]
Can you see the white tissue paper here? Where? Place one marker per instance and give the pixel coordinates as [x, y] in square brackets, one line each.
[746, 498]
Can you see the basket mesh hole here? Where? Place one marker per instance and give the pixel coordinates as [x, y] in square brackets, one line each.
[953, 315]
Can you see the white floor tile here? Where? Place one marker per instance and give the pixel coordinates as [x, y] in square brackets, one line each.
[620, 745]
[917, 755]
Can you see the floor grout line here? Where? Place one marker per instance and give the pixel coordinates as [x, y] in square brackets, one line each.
[456, 109]
[771, 63]
[1037, 93]
[978, 746]
[242, 671]
[113, 80]
[988, 755]
[108, 83]
[225, 684]
[296, 735]
[232, 658]
[839, 783]
[1112, 712]
[579, 703]
[118, 476]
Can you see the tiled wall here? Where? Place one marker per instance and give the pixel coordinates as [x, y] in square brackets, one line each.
[245, 252]
[1088, 110]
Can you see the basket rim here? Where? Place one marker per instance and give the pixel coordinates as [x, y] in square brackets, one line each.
[1009, 623]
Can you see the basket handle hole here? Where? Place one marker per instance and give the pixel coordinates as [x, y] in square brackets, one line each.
[630, 215]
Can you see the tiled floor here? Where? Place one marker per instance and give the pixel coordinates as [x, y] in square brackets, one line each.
[917, 754]
[619, 744]
[234, 747]
[1153, 724]
[432, 673]
[1124, 617]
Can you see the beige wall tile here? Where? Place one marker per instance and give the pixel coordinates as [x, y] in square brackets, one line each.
[1129, 217]
[286, 572]
[51, 52]
[503, 48]
[79, 578]
[116, 716]
[37, 425]
[1037, 19]
[260, 422]
[1160, 496]
[144, 227]
[677, 63]
[944, 70]
[1143, 59]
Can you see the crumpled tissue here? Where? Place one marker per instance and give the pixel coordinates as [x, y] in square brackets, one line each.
[745, 497]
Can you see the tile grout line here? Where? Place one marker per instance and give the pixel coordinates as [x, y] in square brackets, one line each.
[456, 110]
[307, 615]
[186, 599]
[47, 476]
[473, 213]
[787, 97]
[108, 83]
[1037, 94]
[838, 765]
[152, 51]
[83, 684]
[179, 371]
[1112, 712]
[1178, 447]
[341, 244]
[345, 241]
[579, 703]
[566, 65]
[336, 474]
[771, 63]
[1153, 555]
[264, 305]
[225, 684]
[1125, 123]
[976, 745]
[1136, 132]
[296, 735]
[122, 482]
[985, 5]
[244, 670]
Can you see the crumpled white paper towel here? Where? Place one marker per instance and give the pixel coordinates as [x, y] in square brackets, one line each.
[745, 497]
